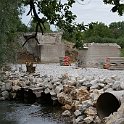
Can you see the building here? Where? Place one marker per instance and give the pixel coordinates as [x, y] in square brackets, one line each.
[94, 54]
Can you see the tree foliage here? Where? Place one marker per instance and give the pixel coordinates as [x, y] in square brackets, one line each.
[117, 28]
[118, 6]
[99, 30]
[100, 33]
[54, 12]
[10, 23]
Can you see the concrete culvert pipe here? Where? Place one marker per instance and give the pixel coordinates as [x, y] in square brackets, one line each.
[108, 103]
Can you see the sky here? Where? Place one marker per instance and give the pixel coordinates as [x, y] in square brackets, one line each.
[89, 11]
[95, 10]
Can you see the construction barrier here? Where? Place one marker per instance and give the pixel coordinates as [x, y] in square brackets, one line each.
[65, 61]
[114, 63]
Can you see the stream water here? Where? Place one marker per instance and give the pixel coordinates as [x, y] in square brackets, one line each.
[16, 113]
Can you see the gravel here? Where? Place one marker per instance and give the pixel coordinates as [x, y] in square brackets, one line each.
[56, 70]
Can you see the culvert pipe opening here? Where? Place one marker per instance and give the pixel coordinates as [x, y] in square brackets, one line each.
[107, 103]
[25, 96]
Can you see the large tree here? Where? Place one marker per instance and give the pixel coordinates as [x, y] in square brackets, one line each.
[10, 23]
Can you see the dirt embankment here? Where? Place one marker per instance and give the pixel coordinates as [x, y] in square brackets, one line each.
[24, 57]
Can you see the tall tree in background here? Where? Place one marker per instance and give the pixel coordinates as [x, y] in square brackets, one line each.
[98, 30]
[99, 33]
[117, 29]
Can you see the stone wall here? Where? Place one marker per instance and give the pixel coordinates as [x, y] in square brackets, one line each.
[49, 49]
[96, 53]
[52, 52]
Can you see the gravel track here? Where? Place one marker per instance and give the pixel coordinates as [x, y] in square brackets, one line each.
[56, 70]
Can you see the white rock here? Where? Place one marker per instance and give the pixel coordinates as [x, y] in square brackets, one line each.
[15, 82]
[38, 80]
[59, 88]
[85, 104]
[7, 73]
[3, 88]
[101, 85]
[39, 85]
[15, 88]
[2, 98]
[90, 111]
[71, 82]
[1, 83]
[78, 119]
[97, 120]
[89, 119]
[47, 85]
[115, 77]
[47, 90]
[57, 83]
[94, 82]
[5, 94]
[82, 81]
[102, 80]
[52, 93]
[122, 85]
[95, 86]
[66, 113]
[96, 93]
[109, 80]
[116, 85]
[8, 86]
[77, 113]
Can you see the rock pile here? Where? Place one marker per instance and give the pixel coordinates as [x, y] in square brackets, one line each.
[77, 95]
